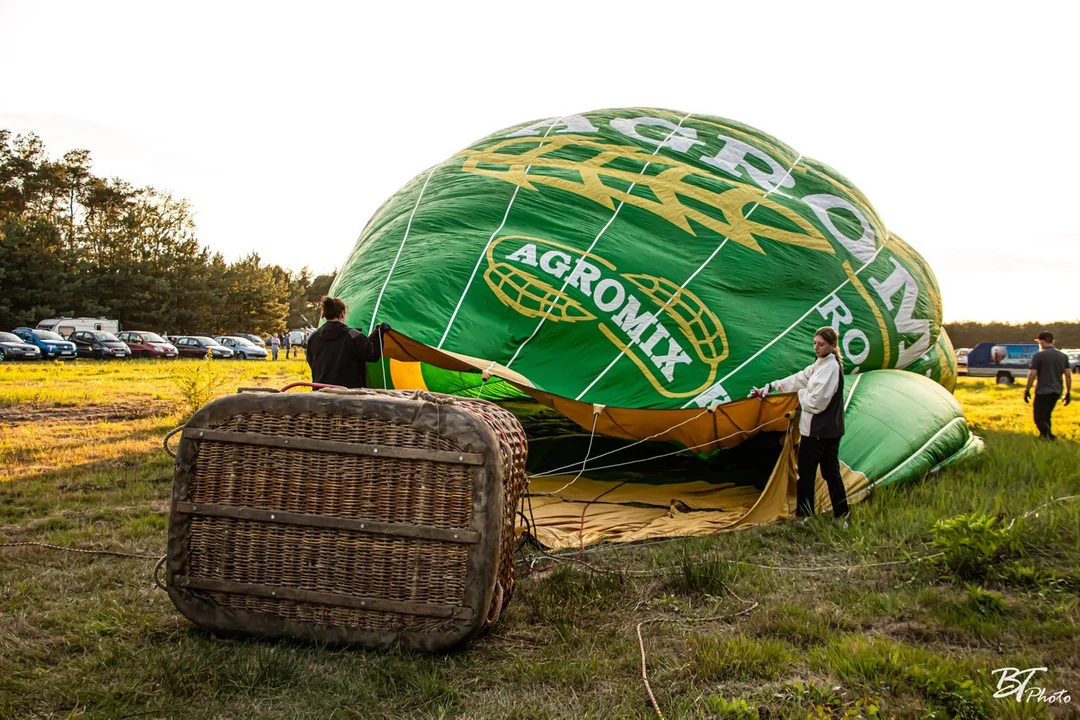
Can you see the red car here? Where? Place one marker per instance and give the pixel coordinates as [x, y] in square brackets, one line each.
[148, 345]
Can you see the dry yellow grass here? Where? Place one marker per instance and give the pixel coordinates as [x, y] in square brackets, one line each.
[59, 417]
[85, 382]
[992, 407]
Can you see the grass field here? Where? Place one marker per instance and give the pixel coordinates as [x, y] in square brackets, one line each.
[81, 466]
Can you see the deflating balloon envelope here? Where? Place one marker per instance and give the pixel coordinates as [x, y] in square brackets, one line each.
[640, 270]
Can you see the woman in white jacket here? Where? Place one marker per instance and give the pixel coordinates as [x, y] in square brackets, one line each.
[821, 396]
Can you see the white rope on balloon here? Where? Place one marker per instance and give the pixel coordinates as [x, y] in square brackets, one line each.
[480, 259]
[798, 322]
[702, 266]
[408, 228]
[544, 313]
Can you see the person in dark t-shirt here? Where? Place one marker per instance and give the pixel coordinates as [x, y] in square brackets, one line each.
[1048, 366]
[337, 353]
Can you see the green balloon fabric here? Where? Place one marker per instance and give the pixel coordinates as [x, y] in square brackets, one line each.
[644, 258]
[928, 433]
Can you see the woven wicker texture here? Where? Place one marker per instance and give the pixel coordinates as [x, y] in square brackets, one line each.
[334, 562]
[514, 448]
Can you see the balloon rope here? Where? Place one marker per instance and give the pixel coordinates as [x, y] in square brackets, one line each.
[408, 227]
[544, 314]
[556, 471]
[675, 295]
[655, 457]
[851, 393]
[795, 324]
[596, 416]
[382, 359]
[453, 316]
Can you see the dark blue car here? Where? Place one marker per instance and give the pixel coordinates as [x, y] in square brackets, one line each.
[51, 345]
[12, 348]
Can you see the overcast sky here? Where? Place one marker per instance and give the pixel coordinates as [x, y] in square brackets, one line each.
[287, 125]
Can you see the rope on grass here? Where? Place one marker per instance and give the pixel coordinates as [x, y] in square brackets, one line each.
[787, 568]
[558, 559]
[1029, 513]
[641, 642]
[710, 557]
[82, 551]
[645, 672]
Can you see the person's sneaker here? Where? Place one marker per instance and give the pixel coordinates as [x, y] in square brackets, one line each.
[841, 522]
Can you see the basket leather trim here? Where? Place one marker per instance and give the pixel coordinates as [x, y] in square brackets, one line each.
[464, 537]
[299, 443]
[323, 598]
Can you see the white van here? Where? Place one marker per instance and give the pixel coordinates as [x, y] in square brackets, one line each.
[64, 326]
[299, 337]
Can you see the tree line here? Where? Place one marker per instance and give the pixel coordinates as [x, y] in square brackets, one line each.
[76, 244]
[970, 334]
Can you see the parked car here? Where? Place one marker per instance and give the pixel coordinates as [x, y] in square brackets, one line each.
[99, 344]
[197, 346]
[148, 345]
[243, 348]
[962, 360]
[255, 339]
[1074, 361]
[1005, 362]
[13, 348]
[49, 343]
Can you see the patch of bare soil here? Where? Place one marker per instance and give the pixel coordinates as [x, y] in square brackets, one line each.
[123, 410]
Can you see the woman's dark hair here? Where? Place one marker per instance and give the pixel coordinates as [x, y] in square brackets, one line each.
[332, 308]
[829, 335]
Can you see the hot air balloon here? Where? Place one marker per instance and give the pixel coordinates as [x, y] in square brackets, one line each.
[638, 271]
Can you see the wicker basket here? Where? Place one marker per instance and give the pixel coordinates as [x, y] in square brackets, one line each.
[352, 516]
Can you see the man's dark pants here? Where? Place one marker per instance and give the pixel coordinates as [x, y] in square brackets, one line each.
[812, 453]
[1044, 408]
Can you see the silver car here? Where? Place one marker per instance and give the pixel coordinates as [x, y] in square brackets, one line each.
[242, 348]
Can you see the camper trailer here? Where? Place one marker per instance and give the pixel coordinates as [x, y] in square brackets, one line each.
[65, 326]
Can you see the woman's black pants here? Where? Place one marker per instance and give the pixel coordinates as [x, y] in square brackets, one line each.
[812, 453]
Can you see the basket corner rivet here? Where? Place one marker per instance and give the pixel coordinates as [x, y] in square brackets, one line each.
[460, 457]
[201, 433]
[455, 536]
[375, 450]
[273, 516]
[363, 603]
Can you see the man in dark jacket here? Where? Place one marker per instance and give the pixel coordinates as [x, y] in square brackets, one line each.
[337, 353]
